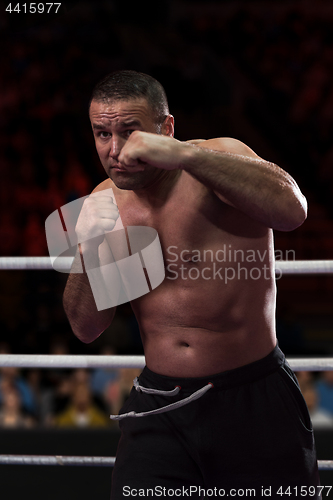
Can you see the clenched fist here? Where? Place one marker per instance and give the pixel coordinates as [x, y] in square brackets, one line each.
[98, 216]
[158, 150]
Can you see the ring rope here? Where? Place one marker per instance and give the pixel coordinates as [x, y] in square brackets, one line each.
[88, 461]
[281, 266]
[33, 263]
[70, 361]
[304, 266]
[120, 361]
[56, 460]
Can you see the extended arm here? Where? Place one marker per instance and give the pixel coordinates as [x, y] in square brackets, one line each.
[232, 170]
[242, 179]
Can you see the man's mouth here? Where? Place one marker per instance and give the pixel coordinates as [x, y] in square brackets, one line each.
[120, 169]
[129, 170]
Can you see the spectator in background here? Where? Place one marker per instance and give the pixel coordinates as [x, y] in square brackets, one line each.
[58, 346]
[10, 377]
[59, 384]
[319, 417]
[83, 376]
[33, 378]
[55, 399]
[117, 391]
[304, 377]
[324, 388]
[81, 411]
[101, 377]
[11, 413]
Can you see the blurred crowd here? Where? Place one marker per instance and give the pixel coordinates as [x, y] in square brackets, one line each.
[281, 49]
[229, 68]
[78, 398]
[32, 321]
[85, 398]
[317, 390]
[288, 52]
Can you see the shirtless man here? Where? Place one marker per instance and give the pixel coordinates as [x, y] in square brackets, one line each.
[249, 427]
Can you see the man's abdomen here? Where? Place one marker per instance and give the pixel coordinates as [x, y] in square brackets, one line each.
[197, 329]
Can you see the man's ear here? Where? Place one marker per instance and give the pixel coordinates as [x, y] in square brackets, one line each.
[168, 126]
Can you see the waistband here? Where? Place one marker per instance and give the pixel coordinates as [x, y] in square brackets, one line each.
[227, 379]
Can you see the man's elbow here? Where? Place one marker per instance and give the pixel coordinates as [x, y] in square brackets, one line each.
[295, 213]
[303, 210]
[87, 337]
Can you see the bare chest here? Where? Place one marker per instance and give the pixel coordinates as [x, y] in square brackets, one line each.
[182, 222]
[194, 225]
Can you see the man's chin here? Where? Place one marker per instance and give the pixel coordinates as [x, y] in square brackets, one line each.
[125, 188]
[130, 183]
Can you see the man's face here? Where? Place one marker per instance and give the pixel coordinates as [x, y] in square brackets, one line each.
[112, 123]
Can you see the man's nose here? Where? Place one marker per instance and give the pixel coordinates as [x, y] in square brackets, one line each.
[116, 146]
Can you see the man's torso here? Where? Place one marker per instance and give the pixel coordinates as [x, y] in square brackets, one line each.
[215, 309]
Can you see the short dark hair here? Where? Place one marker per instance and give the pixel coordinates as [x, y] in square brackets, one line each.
[127, 84]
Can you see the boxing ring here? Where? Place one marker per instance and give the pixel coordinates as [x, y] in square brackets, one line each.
[93, 361]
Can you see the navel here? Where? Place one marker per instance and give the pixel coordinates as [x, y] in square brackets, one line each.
[188, 258]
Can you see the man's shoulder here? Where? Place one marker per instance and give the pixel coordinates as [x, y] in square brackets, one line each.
[227, 145]
[107, 184]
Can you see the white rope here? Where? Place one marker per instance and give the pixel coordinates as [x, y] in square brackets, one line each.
[325, 464]
[33, 263]
[99, 361]
[44, 263]
[311, 364]
[56, 460]
[88, 461]
[304, 266]
[70, 361]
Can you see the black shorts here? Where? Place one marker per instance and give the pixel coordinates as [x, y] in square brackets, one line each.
[250, 435]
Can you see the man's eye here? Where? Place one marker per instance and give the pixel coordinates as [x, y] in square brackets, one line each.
[129, 132]
[103, 135]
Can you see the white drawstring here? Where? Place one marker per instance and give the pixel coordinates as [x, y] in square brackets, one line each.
[140, 388]
[172, 406]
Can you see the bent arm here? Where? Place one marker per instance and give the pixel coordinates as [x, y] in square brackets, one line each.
[86, 321]
[232, 170]
[242, 179]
